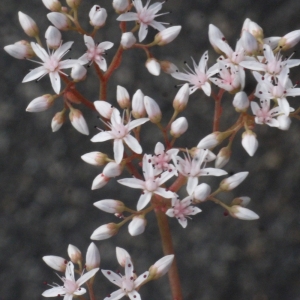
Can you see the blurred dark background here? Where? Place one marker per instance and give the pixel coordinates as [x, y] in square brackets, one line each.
[46, 201]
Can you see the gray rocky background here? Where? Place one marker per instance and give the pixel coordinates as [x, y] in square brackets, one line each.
[46, 201]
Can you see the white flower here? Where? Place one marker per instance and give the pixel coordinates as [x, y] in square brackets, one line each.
[153, 66]
[151, 185]
[197, 78]
[40, 103]
[20, 50]
[128, 283]
[167, 35]
[51, 64]
[92, 259]
[128, 40]
[161, 267]
[144, 16]
[243, 213]
[249, 142]
[95, 52]
[53, 37]
[97, 16]
[181, 209]
[56, 262]
[137, 225]
[233, 181]
[71, 287]
[179, 127]
[78, 121]
[120, 133]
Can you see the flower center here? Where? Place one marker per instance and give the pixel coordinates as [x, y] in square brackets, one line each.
[119, 131]
[51, 64]
[151, 185]
[70, 286]
[127, 284]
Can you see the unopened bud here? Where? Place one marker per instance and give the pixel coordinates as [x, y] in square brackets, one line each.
[138, 106]
[233, 181]
[137, 225]
[284, 122]
[97, 16]
[78, 121]
[53, 37]
[28, 24]
[167, 35]
[123, 97]
[153, 66]
[161, 267]
[121, 6]
[223, 157]
[243, 213]
[289, 40]
[74, 254]
[249, 142]
[201, 192]
[122, 255]
[179, 127]
[152, 110]
[112, 169]
[95, 158]
[20, 50]
[59, 20]
[92, 259]
[168, 67]
[73, 3]
[128, 40]
[56, 262]
[53, 5]
[78, 72]
[242, 201]
[249, 43]
[211, 140]
[104, 108]
[105, 231]
[58, 120]
[215, 34]
[241, 101]
[110, 206]
[181, 98]
[40, 103]
[100, 181]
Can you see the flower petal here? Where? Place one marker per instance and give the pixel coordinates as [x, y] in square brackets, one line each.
[144, 200]
[102, 137]
[133, 144]
[118, 150]
[55, 81]
[133, 183]
[115, 295]
[85, 277]
[35, 74]
[54, 292]
[112, 277]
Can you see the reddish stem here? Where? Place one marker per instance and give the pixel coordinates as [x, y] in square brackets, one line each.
[218, 109]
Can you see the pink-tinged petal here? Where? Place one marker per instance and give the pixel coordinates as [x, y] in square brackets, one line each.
[35, 74]
[55, 81]
[115, 118]
[203, 62]
[54, 292]
[70, 271]
[195, 211]
[212, 172]
[115, 295]
[141, 279]
[224, 47]
[89, 41]
[134, 295]
[136, 123]
[255, 107]
[85, 277]
[164, 193]
[170, 212]
[83, 59]
[253, 65]
[129, 16]
[138, 5]
[143, 31]
[80, 291]
[133, 144]
[191, 184]
[69, 63]
[68, 297]
[159, 148]
[105, 45]
[206, 88]
[128, 268]
[62, 50]
[102, 137]
[133, 183]
[39, 51]
[112, 277]
[183, 222]
[101, 62]
[157, 25]
[118, 150]
[143, 200]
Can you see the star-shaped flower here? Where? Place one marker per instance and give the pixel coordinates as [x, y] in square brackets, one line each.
[120, 133]
[51, 64]
[95, 52]
[151, 184]
[70, 287]
[182, 209]
[128, 283]
[145, 17]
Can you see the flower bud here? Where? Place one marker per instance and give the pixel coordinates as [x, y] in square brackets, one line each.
[249, 43]
[53, 5]
[161, 267]
[233, 181]
[256, 30]
[123, 97]
[95, 158]
[179, 127]
[168, 67]
[223, 157]
[53, 37]
[73, 3]
[210, 141]
[40, 103]
[100, 181]
[20, 50]
[167, 35]
[121, 6]
[78, 121]
[289, 40]
[122, 254]
[128, 40]
[137, 225]
[92, 259]
[242, 201]
[153, 66]
[59, 20]
[74, 254]
[201, 192]
[28, 24]
[105, 231]
[58, 120]
[97, 16]
[138, 107]
[241, 101]
[112, 169]
[243, 213]
[78, 72]
[110, 206]
[249, 142]
[56, 262]
[104, 108]
[284, 122]
[215, 34]
[181, 98]
[152, 110]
